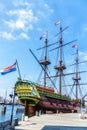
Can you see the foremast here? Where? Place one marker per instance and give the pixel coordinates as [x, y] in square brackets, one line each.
[45, 62]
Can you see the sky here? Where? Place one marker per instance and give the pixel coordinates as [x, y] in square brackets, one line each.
[22, 22]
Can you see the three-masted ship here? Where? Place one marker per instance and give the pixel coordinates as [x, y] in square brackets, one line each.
[38, 98]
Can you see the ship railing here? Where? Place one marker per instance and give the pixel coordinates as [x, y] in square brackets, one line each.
[37, 84]
[32, 82]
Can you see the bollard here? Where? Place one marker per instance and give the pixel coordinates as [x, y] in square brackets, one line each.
[23, 117]
[26, 118]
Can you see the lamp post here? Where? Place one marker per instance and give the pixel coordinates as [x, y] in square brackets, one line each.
[14, 94]
[82, 102]
[81, 106]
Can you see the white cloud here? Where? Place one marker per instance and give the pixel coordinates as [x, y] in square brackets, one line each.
[24, 35]
[45, 11]
[15, 25]
[10, 36]
[19, 24]
[81, 53]
[48, 8]
[85, 57]
[24, 19]
[17, 3]
[7, 35]
[21, 20]
[24, 15]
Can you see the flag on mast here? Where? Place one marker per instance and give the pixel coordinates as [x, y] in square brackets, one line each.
[74, 46]
[8, 69]
[57, 22]
[43, 35]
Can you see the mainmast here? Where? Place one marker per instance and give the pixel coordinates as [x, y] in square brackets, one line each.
[77, 78]
[61, 67]
[45, 62]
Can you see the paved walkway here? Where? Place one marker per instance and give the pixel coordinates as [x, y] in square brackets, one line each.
[61, 121]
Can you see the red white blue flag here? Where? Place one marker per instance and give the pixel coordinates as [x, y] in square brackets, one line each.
[43, 35]
[74, 46]
[8, 69]
[57, 22]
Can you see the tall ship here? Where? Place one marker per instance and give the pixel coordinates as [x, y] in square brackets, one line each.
[41, 98]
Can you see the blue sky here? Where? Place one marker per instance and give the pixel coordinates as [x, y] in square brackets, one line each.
[22, 22]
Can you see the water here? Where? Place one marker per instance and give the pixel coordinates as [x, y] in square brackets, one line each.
[7, 115]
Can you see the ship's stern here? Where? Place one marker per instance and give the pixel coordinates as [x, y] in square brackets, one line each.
[27, 95]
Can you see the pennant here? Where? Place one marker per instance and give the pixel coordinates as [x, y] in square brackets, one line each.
[74, 46]
[57, 22]
[8, 69]
[42, 36]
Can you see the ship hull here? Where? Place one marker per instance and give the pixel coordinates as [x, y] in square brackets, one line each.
[37, 99]
[47, 104]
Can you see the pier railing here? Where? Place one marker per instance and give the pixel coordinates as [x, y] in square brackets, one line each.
[6, 125]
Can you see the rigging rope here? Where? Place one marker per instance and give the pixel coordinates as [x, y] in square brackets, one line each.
[72, 89]
[39, 78]
[80, 91]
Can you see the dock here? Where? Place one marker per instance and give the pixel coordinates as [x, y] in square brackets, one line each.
[62, 121]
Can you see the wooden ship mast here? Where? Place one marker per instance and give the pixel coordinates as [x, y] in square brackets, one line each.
[60, 67]
[45, 62]
[77, 78]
